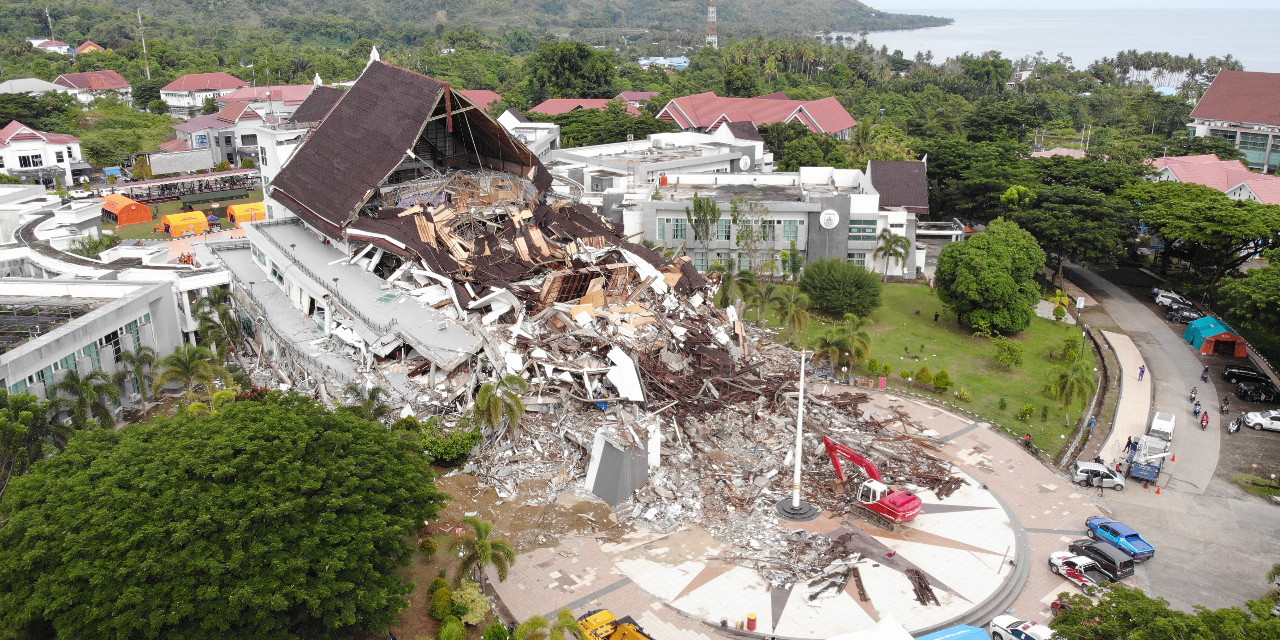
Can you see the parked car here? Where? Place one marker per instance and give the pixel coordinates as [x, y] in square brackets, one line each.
[1162, 426]
[1115, 564]
[1011, 628]
[1257, 391]
[1182, 315]
[1092, 474]
[1259, 420]
[78, 194]
[1081, 571]
[1120, 536]
[1166, 298]
[1235, 373]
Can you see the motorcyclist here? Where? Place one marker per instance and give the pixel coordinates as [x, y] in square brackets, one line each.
[1204, 375]
[1226, 404]
[1196, 408]
[1204, 422]
[1026, 441]
[1193, 393]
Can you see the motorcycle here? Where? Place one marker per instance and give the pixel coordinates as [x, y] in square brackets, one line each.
[1235, 425]
[1204, 422]
[1196, 409]
[1204, 375]
[1226, 406]
[1193, 395]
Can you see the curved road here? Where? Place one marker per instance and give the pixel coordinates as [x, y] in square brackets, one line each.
[1214, 543]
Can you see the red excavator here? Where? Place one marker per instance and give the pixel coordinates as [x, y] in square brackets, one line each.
[886, 505]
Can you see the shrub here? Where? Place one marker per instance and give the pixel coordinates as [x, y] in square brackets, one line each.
[452, 629]
[1004, 404]
[1008, 352]
[460, 609]
[873, 365]
[441, 603]
[887, 370]
[1070, 349]
[429, 547]
[449, 449]
[477, 605]
[962, 394]
[1059, 313]
[1027, 411]
[942, 381]
[436, 585]
[1044, 412]
[905, 374]
[837, 287]
[496, 632]
[924, 377]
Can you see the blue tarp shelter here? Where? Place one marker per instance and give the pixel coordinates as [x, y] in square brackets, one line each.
[962, 632]
[1210, 336]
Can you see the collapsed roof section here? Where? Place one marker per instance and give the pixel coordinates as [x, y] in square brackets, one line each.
[394, 126]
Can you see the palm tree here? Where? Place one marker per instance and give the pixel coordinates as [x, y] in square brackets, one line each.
[792, 308]
[26, 428]
[1059, 300]
[89, 397]
[367, 404]
[833, 346]
[218, 324]
[499, 405]
[141, 366]
[539, 628]
[1072, 385]
[190, 365]
[480, 551]
[892, 246]
[216, 401]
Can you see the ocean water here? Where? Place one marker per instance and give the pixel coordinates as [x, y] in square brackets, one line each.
[1087, 34]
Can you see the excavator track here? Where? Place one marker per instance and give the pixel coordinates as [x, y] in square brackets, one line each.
[875, 518]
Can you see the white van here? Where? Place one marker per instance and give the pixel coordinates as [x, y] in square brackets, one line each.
[1162, 426]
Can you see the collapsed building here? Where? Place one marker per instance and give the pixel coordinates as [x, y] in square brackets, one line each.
[429, 253]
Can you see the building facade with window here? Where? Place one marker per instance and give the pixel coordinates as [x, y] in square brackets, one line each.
[83, 326]
[186, 95]
[819, 212]
[1241, 108]
[40, 156]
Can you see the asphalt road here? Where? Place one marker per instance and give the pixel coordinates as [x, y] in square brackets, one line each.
[1214, 543]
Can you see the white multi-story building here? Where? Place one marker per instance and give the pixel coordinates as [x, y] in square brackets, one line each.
[28, 153]
[186, 95]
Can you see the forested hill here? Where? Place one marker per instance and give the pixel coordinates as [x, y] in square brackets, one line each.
[736, 17]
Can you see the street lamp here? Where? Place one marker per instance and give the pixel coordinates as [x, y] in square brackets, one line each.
[795, 509]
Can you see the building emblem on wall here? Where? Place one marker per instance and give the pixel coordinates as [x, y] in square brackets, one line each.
[829, 219]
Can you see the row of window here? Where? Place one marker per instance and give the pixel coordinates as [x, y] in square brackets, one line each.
[246, 140]
[93, 351]
[35, 160]
[678, 229]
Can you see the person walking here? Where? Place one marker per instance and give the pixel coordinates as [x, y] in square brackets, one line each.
[1128, 445]
[935, 317]
[1142, 371]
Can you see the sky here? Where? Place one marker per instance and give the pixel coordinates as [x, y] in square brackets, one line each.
[939, 7]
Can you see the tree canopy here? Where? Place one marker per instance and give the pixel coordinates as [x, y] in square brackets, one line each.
[837, 287]
[274, 518]
[1129, 614]
[989, 279]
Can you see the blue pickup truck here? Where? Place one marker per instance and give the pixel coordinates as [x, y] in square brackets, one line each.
[1147, 457]
[1120, 536]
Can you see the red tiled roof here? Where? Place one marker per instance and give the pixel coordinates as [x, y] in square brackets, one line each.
[237, 111]
[215, 81]
[15, 131]
[483, 98]
[1267, 188]
[1216, 175]
[52, 43]
[1160, 163]
[1242, 96]
[89, 45]
[557, 106]
[176, 144]
[709, 111]
[93, 80]
[635, 96]
[291, 93]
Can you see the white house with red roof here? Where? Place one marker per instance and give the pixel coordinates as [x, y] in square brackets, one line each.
[31, 154]
[1231, 177]
[271, 101]
[89, 85]
[186, 95]
[706, 112]
[1243, 107]
[52, 46]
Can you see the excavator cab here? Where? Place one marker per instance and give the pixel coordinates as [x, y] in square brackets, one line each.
[871, 491]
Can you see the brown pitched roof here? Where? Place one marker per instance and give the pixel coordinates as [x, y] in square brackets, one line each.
[317, 105]
[93, 80]
[1242, 96]
[900, 184]
[368, 134]
[744, 130]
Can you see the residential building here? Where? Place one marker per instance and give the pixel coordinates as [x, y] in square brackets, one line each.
[30, 86]
[542, 138]
[82, 326]
[599, 168]
[705, 112]
[1243, 108]
[186, 95]
[825, 212]
[636, 98]
[30, 154]
[221, 137]
[89, 46]
[1231, 177]
[677, 63]
[558, 106]
[87, 86]
[51, 46]
[277, 101]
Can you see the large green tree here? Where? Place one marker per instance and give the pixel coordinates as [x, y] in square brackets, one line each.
[1124, 613]
[561, 69]
[269, 519]
[27, 434]
[989, 279]
[837, 287]
[1253, 300]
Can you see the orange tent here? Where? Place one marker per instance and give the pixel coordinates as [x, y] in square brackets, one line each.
[177, 224]
[122, 210]
[238, 214]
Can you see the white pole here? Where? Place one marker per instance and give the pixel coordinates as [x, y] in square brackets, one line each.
[795, 480]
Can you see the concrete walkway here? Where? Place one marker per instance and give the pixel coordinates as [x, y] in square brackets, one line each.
[1134, 407]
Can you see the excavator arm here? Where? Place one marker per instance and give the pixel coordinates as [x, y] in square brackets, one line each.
[836, 451]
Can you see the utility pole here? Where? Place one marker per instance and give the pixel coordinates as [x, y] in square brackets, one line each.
[143, 33]
[794, 508]
[49, 19]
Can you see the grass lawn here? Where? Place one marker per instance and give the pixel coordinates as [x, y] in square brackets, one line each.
[904, 336]
[142, 230]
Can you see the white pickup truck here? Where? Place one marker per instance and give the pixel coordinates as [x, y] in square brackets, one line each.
[1162, 426]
